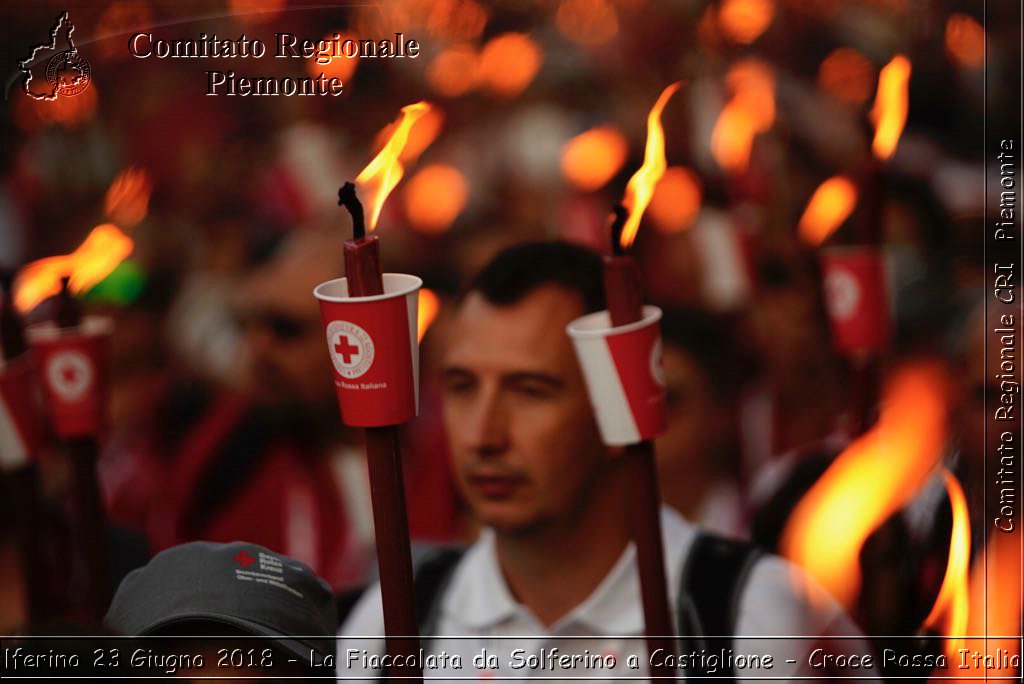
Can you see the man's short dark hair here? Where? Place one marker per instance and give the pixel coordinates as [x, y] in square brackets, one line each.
[519, 270]
[710, 340]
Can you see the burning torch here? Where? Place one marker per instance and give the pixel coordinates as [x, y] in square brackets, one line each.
[370, 320]
[620, 353]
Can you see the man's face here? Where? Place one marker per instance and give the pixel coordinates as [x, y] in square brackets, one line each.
[696, 421]
[286, 359]
[525, 447]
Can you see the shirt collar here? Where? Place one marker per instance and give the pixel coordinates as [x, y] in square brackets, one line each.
[477, 594]
[479, 597]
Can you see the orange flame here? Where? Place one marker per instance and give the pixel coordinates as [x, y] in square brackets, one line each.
[421, 135]
[890, 111]
[429, 306]
[829, 206]
[750, 111]
[382, 174]
[100, 253]
[952, 601]
[127, 199]
[640, 188]
[995, 599]
[874, 477]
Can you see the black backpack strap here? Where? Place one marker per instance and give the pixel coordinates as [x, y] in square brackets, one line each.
[710, 589]
[432, 577]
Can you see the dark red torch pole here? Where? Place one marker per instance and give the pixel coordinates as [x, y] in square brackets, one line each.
[387, 489]
[624, 297]
[867, 380]
[84, 454]
[25, 487]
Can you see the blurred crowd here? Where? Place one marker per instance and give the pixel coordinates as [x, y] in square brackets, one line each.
[223, 419]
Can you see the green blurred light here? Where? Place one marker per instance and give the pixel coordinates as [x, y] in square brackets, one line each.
[122, 287]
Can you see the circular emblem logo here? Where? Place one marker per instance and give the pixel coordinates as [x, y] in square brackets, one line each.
[842, 292]
[351, 348]
[657, 370]
[70, 374]
[68, 73]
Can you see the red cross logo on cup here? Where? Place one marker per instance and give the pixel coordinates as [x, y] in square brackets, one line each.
[70, 374]
[351, 348]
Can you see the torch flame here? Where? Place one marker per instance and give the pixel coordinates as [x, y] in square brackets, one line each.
[995, 599]
[382, 174]
[750, 110]
[829, 206]
[100, 253]
[640, 188]
[429, 305]
[874, 477]
[127, 199]
[952, 601]
[890, 111]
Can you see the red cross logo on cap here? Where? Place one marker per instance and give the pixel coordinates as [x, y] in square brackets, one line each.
[243, 558]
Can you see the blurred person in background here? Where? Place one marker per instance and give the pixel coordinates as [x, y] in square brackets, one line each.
[698, 456]
[266, 459]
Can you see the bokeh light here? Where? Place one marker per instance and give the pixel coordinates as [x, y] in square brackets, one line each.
[509, 63]
[434, 197]
[591, 158]
[587, 22]
[676, 200]
[454, 71]
[340, 66]
[965, 40]
[743, 21]
[846, 75]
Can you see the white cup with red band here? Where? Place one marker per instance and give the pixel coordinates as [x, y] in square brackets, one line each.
[856, 298]
[622, 369]
[72, 367]
[21, 427]
[374, 350]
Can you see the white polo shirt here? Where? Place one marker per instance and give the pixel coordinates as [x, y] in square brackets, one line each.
[778, 600]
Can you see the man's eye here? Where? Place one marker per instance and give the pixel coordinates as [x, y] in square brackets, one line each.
[535, 391]
[458, 386]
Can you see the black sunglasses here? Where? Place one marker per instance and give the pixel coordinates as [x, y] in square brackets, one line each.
[282, 326]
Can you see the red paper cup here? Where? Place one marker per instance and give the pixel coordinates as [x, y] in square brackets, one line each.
[21, 426]
[856, 298]
[622, 369]
[72, 367]
[374, 350]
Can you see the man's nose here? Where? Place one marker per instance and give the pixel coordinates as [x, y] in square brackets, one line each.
[486, 425]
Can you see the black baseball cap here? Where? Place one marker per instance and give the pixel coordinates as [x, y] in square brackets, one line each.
[239, 585]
